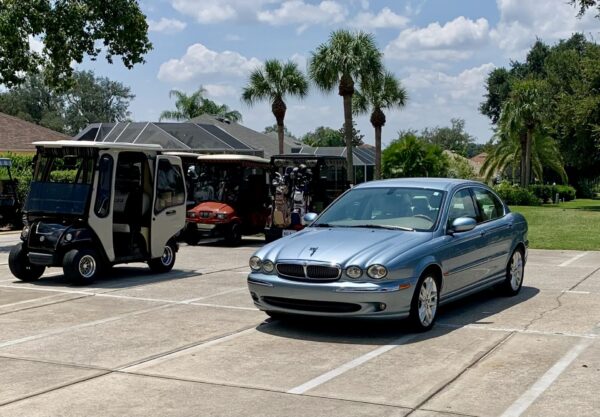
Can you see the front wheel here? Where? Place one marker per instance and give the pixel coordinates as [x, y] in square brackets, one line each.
[165, 262]
[233, 237]
[19, 265]
[515, 270]
[424, 305]
[82, 266]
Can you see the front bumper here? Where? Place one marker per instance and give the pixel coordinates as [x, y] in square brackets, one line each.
[388, 298]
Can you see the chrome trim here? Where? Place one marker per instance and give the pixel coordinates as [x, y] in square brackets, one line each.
[259, 282]
[305, 265]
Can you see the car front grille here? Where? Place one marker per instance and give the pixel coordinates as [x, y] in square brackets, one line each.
[310, 305]
[310, 272]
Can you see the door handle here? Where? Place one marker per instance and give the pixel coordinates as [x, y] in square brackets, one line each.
[171, 212]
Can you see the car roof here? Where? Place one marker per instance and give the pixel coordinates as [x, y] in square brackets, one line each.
[442, 184]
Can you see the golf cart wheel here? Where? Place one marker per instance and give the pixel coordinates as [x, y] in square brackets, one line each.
[81, 266]
[21, 267]
[166, 261]
[234, 235]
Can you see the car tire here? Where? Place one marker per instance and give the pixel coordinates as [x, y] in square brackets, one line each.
[82, 266]
[234, 235]
[425, 303]
[166, 262]
[191, 237]
[21, 268]
[515, 271]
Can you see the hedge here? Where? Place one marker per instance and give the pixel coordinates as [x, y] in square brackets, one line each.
[515, 195]
[547, 193]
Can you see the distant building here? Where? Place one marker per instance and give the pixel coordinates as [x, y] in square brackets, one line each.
[363, 158]
[17, 135]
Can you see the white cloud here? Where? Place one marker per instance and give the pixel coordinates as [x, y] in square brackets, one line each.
[386, 18]
[455, 40]
[522, 21]
[300, 60]
[304, 14]
[199, 60]
[165, 25]
[36, 45]
[217, 11]
[220, 90]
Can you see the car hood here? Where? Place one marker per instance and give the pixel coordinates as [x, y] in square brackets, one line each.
[344, 246]
[216, 206]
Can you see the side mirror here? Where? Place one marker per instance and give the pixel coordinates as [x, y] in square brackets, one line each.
[462, 224]
[310, 217]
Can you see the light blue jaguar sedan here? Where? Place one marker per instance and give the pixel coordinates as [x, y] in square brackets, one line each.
[394, 248]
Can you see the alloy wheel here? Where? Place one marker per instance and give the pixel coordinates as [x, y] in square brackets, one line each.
[428, 301]
[516, 270]
[87, 266]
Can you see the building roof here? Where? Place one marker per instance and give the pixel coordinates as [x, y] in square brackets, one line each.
[98, 145]
[17, 135]
[363, 155]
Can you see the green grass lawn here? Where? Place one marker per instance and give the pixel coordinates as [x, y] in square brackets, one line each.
[571, 225]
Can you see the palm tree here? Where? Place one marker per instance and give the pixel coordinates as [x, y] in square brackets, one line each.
[187, 107]
[274, 82]
[194, 105]
[346, 58]
[382, 92]
[522, 116]
[509, 151]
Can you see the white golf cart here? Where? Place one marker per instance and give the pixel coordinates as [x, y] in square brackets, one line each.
[93, 204]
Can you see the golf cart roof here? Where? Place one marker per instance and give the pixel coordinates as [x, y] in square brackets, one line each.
[5, 162]
[183, 154]
[232, 158]
[299, 156]
[97, 145]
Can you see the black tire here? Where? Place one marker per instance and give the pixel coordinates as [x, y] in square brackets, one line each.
[166, 262]
[20, 266]
[233, 237]
[513, 282]
[422, 322]
[82, 266]
[191, 237]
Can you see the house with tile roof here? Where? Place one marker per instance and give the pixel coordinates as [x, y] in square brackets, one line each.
[17, 135]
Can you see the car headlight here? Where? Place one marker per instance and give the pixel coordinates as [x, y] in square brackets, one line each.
[192, 214]
[354, 272]
[377, 271]
[69, 237]
[25, 232]
[255, 263]
[268, 266]
[221, 216]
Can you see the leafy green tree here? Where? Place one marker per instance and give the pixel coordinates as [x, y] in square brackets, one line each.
[453, 138]
[274, 82]
[68, 30]
[89, 99]
[273, 129]
[346, 58]
[376, 94]
[408, 156]
[459, 167]
[584, 5]
[189, 106]
[323, 136]
[95, 99]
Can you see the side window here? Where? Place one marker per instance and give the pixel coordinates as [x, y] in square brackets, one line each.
[103, 195]
[170, 186]
[490, 207]
[461, 206]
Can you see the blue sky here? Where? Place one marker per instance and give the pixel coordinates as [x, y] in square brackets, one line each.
[442, 50]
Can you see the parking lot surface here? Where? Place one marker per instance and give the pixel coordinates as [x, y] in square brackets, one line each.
[190, 342]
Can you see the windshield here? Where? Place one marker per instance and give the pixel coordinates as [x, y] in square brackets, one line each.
[62, 183]
[227, 183]
[386, 207]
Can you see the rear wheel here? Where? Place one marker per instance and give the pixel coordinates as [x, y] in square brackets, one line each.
[234, 235]
[19, 265]
[424, 306]
[82, 266]
[166, 262]
[515, 271]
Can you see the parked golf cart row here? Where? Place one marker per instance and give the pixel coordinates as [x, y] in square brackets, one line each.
[129, 203]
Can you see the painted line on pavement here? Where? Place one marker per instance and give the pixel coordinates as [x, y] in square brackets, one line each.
[576, 292]
[32, 300]
[321, 379]
[191, 300]
[524, 401]
[514, 330]
[573, 259]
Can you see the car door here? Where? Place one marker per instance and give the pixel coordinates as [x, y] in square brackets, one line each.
[464, 253]
[497, 231]
[168, 207]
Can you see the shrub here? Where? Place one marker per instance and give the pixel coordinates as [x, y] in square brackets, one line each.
[547, 193]
[515, 195]
[566, 191]
[22, 171]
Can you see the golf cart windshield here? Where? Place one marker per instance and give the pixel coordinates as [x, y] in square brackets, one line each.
[62, 181]
[228, 183]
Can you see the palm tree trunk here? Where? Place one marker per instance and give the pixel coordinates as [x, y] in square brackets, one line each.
[528, 156]
[348, 136]
[280, 128]
[523, 141]
[377, 152]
